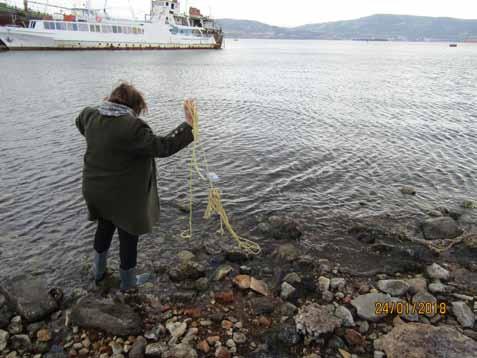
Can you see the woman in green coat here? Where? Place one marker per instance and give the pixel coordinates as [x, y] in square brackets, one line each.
[119, 174]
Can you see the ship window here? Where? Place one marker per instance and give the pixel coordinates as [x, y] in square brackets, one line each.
[134, 30]
[120, 30]
[172, 6]
[60, 26]
[70, 26]
[47, 25]
[107, 28]
[115, 29]
[32, 24]
[98, 28]
[75, 27]
[83, 27]
[91, 28]
[167, 4]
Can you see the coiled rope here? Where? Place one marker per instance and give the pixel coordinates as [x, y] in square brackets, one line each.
[214, 204]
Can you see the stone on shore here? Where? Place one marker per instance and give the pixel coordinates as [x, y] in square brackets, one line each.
[30, 297]
[345, 315]
[113, 318]
[416, 340]
[4, 335]
[464, 314]
[242, 281]
[287, 252]
[366, 305]
[138, 348]
[287, 291]
[440, 228]
[393, 287]
[437, 272]
[417, 284]
[408, 190]
[313, 320]
[281, 228]
[259, 287]
[421, 299]
[5, 315]
[222, 272]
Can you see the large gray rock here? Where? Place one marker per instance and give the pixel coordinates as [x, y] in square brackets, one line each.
[313, 320]
[345, 315]
[440, 228]
[437, 272]
[113, 318]
[416, 340]
[393, 287]
[464, 314]
[420, 300]
[29, 297]
[281, 228]
[366, 305]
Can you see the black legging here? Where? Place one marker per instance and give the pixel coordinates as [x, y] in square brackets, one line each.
[127, 243]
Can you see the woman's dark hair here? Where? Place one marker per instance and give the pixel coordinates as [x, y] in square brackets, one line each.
[128, 95]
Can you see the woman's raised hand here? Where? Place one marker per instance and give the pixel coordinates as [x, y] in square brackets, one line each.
[189, 109]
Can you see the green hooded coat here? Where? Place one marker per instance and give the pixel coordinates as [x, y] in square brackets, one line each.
[119, 174]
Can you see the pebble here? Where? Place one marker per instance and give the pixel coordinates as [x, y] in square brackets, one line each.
[464, 314]
[239, 338]
[43, 335]
[363, 326]
[379, 354]
[324, 283]
[15, 326]
[287, 291]
[345, 315]
[176, 329]
[393, 287]
[222, 352]
[4, 335]
[337, 283]
[328, 296]
[408, 190]
[259, 287]
[203, 346]
[417, 284]
[222, 272]
[438, 287]
[292, 278]
[437, 272]
[242, 281]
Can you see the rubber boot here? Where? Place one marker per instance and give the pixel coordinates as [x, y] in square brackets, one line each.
[129, 280]
[100, 263]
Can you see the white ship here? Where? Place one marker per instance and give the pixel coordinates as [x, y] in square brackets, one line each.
[165, 28]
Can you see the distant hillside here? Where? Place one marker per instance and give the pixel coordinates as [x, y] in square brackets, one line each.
[391, 27]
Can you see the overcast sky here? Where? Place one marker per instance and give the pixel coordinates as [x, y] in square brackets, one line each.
[294, 13]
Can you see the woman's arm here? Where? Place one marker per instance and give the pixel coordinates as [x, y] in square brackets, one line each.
[146, 143]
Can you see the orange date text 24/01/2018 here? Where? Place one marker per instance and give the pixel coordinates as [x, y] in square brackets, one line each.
[419, 308]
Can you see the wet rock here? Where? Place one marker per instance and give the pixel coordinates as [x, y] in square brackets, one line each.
[280, 339]
[417, 284]
[282, 228]
[371, 233]
[202, 284]
[287, 291]
[15, 326]
[354, 338]
[287, 252]
[203, 346]
[464, 314]
[226, 297]
[185, 256]
[114, 318]
[259, 286]
[186, 270]
[4, 335]
[238, 256]
[439, 287]
[222, 352]
[324, 283]
[222, 272]
[469, 204]
[337, 283]
[30, 297]
[292, 278]
[21, 342]
[366, 305]
[313, 320]
[408, 190]
[5, 315]
[440, 229]
[155, 350]
[437, 272]
[393, 287]
[176, 329]
[242, 281]
[345, 315]
[416, 340]
[262, 305]
[239, 338]
[138, 349]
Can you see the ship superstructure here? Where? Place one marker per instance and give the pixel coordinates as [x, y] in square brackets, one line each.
[166, 27]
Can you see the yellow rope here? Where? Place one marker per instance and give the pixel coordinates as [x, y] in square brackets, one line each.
[214, 204]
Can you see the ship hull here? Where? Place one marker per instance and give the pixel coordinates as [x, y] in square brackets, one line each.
[21, 39]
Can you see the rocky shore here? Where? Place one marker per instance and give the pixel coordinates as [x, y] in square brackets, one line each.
[291, 301]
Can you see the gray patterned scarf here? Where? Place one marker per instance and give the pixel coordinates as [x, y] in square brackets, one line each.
[111, 109]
